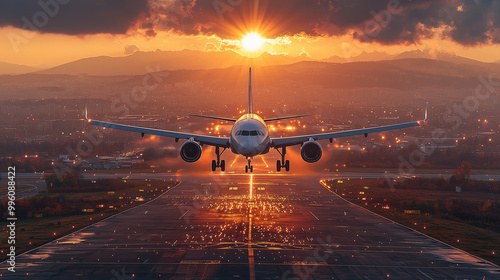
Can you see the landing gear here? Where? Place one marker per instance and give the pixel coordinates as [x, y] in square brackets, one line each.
[249, 167]
[219, 163]
[282, 163]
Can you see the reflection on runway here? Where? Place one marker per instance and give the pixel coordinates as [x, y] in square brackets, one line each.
[259, 226]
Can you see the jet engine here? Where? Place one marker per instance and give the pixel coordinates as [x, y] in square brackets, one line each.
[190, 151]
[311, 151]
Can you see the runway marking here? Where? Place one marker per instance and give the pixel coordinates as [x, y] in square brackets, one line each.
[251, 259]
[314, 215]
[183, 214]
[251, 186]
[251, 263]
[234, 161]
[200, 262]
[418, 269]
[263, 160]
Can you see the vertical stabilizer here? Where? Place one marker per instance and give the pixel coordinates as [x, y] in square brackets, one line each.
[250, 111]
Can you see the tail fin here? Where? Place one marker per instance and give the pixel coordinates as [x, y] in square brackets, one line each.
[250, 105]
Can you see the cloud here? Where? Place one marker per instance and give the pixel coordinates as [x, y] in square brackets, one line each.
[211, 47]
[304, 53]
[479, 22]
[73, 17]
[384, 21]
[468, 22]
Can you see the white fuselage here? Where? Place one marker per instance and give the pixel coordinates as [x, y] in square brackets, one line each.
[249, 136]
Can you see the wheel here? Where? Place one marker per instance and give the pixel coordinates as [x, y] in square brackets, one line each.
[246, 168]
[287, 165]
[222, 165]
[251, 168]
[214, 165]
[278, 165]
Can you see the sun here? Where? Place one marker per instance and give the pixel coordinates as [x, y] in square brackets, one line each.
[252, 42]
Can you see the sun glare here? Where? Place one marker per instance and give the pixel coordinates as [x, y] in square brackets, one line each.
[252, 42]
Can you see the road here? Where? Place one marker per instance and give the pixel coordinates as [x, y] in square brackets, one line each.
[36, 187]
[262, 226]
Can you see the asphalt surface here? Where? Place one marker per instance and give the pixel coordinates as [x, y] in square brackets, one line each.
[248, 227]
[36, 187]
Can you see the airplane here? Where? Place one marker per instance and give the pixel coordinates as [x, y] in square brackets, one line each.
[250, 137]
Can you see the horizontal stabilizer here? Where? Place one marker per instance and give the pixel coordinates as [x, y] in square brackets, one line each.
[284, 118]
[211, 117]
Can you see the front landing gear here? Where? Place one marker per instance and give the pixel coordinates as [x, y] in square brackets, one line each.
[249, 167]
[283, 163]
[219, 163]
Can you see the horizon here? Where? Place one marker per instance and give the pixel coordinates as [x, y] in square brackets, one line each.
[373, 56]
[32, 30]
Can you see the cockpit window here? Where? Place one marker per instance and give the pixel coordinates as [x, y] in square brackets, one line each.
[249, 132]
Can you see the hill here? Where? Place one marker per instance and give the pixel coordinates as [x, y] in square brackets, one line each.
[12, 69]
[137, 63]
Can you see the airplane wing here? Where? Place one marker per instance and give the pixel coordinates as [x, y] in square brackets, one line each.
[296, 140]
[202, 139]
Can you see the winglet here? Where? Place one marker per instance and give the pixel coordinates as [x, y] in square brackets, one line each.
[86, 113]
[426, 114]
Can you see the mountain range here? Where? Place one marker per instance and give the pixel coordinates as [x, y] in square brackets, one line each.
[427, 54]
[305, 76]
[140, 63]
[13, 69]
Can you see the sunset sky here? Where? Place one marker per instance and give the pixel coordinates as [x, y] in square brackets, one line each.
[66, 30]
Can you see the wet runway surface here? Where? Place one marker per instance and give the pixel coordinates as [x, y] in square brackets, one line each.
[248, 227]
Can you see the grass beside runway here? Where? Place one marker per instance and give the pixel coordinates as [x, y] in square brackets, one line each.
[471, 236]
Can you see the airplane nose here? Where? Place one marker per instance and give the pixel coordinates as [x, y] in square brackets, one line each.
[248, 149]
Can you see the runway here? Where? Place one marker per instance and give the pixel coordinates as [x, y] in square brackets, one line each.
[248, 227]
